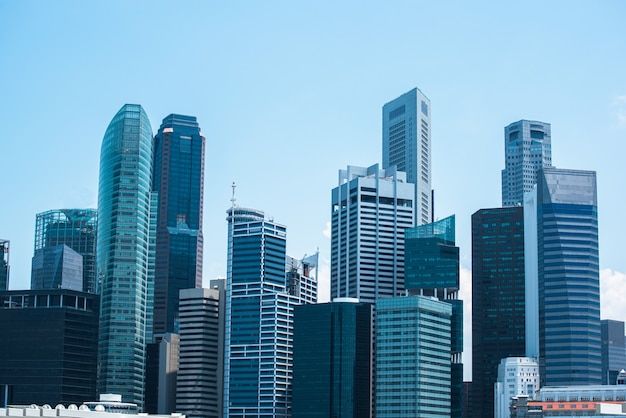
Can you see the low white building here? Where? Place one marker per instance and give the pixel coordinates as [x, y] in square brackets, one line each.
[516, 376]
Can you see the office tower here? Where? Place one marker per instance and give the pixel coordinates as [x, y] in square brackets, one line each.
[199, 384]
[407, 145]
[412, 357]
[162, 358]
[370, 210]
[178, 178]
[613, 350]
[48, 353]
[332, 360]
[527, 149]
[76, 228]
[431, 268]
[4, 264]
[57, 267]
[516, 376]
[123, 244]
[562, 274]
[258, 345]
[498, 298]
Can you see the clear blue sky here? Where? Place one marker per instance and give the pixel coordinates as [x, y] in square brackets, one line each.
[287, 93]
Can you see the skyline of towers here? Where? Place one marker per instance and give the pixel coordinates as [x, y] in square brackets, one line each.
[258, 349]
[370, 208]
[76, 228]
[561, 250]
[498, 298]
[527, 148]
[124, 201]
[332, 360]
[178, 179]
[407, 145]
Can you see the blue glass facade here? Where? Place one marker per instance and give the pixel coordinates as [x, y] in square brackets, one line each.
[258, 356]
[568, 278]
[75, 228]
[178, 173]
[4, 264]
[57, 267]
[498, 298]
[613, 350]
[332, 360]
[413, 357]
[123, 252]
[431, 268]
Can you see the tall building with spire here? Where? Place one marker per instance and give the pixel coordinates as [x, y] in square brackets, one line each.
[527, 149]
[263, 286]
[122, 252]
[407, 145]
[178, 179]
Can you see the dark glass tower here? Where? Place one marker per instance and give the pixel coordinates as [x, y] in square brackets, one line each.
[75, 228]
[178, 177]
[49, 346]
[57, 267]
[431, 268]
[332, 360]
[613, 350]
[498, 298]
[123, 246]
[4, 264]
[564, 254]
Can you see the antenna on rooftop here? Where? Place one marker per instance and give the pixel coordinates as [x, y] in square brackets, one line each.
[232, 199]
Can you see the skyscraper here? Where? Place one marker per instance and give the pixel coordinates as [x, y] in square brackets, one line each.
[178, 177]
[515, 376]
[412, 357]
[407, 145]
[49, 346]
[258, 345]
[199, 384]
[370, 210]
[122, 261]
[57, 267]
[76, 228]
[613, 350]
[527, 149]
[431, 268]
[4, 264]
[498, 298]
[561, 251]
[332, 360]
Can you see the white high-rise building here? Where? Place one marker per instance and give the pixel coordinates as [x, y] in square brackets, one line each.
[527, 149]
[407, 145]
[516, 376]
[371, 208]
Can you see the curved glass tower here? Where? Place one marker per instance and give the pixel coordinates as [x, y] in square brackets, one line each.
[122, 255]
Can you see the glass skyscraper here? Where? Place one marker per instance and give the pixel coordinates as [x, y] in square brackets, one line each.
[4, 264]
[57, 267]
[613, 350]
[178, 172]
[561, 240]
[332, 356]
[75, 228]
[498, 298]
[527, 149]
[258, 348]
[371, 208]
[123, 245]
[407, 145]
[431, 268]
[413, 357]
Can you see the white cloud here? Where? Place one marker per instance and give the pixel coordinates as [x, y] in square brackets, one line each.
[326, 230]
[619, 106]
[465, 294]
[612, 292]
[323, 280]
